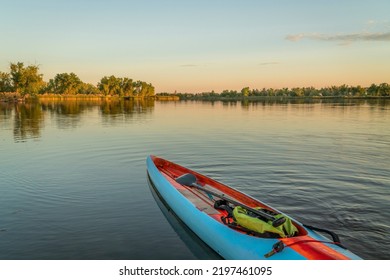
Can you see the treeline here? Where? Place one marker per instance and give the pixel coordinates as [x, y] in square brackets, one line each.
[26, 80]
[381, 90]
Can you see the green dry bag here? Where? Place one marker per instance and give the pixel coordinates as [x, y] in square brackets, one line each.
[255, 224]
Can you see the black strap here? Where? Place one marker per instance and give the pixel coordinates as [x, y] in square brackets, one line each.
[334, 236]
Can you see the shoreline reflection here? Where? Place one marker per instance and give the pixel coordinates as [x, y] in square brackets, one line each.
[28, 119]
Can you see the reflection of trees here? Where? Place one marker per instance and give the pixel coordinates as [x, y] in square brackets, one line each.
[381, 102]
[28, 119]
[68, 106]
[5, 112]
[67, 112]
[114, 110]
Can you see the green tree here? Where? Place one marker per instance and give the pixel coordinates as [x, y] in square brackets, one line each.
[245, 91]
[65, 83]
[127, 86]
[86, 88]
[146, 90]
[137, 88]
[373, 90]
[384, 89]
[296, 92]
[358, 91]
[5, 82]
[26, 80]
[110, 85]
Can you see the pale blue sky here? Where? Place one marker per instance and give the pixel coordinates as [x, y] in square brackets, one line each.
[194, 46]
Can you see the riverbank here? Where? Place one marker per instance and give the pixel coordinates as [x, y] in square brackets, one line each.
[10, 97]
[13, 97]
[105, 97]
[301, 99]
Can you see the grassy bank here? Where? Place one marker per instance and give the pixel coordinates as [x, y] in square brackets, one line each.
[51, 96]
[10, 97]
[13, 97]
[167, 98]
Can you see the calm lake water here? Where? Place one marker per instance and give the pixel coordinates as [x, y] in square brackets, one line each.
[73, 181]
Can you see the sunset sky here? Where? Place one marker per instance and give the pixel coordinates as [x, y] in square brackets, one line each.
[195, 46]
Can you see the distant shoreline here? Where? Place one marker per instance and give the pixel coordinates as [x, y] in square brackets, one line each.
[261, 98]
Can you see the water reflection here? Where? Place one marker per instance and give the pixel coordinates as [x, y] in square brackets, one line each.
[28, 119]
[119, 109]
[326, 163]
[248, 102]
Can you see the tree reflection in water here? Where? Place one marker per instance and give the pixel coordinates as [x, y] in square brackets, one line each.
[27, 119]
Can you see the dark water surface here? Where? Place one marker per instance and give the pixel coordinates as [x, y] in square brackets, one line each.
[73, 182]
